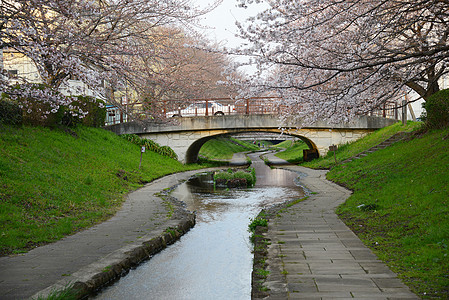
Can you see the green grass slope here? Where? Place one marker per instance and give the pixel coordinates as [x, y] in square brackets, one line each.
[400, 208]
[54, 183]
[293, 153]
[285, 144]
[351, 149]
[224, 148]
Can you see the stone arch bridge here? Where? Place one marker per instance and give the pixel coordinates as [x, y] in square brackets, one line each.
[189, 134]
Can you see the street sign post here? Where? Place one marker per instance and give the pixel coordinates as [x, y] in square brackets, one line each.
[142, 150]
[334, 148]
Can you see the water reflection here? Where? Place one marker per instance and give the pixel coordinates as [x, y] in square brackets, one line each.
[213, 260]
[271, 177]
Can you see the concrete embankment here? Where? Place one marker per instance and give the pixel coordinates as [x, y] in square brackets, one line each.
[92, 258]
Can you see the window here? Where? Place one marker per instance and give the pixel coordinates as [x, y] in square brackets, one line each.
[13, 73]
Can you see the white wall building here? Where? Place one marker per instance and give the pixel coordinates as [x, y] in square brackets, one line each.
[21, 68]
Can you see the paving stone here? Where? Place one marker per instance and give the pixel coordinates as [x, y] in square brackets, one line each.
[328, 269]
[344, 288]
[286, 258]
[327, 254]
[376, 267]
[384, 295]
[363, 254]
[321, 295]
[304, 287]
[283, 227]
[297, 268]
[353, 243]
[386, 283]
[368, 295]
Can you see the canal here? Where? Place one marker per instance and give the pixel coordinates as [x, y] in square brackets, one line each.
[214, 259]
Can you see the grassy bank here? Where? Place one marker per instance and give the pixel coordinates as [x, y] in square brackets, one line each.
[348, 150]
[292, 152]
[55, 182]
[224, 148]
[399, 207]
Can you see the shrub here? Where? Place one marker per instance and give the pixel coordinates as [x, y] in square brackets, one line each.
[437, 110]
[95, 109]
[238, 178]
[39, 103]
[43, 106]
[167, 151]
[10, 112]
[34, 113]
[245, 175]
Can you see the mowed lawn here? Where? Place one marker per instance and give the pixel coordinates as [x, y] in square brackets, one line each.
[55, 182]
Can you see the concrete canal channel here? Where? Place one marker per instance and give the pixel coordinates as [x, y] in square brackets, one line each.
[214, 259]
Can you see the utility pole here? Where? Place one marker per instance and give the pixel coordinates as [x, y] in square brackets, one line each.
[404, 112]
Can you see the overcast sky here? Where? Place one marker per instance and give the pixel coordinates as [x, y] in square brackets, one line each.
[222, 24]
[223, 18]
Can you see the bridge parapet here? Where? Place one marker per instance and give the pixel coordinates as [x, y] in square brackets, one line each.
[246, 122]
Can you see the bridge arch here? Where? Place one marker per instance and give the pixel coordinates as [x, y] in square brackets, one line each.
[193, 150]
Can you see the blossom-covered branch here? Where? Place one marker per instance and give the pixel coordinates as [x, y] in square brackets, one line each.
[336, 59]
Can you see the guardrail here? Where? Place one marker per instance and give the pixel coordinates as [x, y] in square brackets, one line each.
[221, 106]
[389, 110]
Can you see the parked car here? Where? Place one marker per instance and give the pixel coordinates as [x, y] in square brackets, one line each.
[199, 109]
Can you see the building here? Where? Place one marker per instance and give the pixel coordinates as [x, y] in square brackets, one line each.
[21, 69]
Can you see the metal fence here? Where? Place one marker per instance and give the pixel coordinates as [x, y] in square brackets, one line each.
[219, 106]
[222, 106]
[390, 110]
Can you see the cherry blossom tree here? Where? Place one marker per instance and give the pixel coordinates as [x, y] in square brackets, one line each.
[175, 70]
[93, 41]
[336, 59]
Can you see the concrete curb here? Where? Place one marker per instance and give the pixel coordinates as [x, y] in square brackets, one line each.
[98, 275]
[261, 243]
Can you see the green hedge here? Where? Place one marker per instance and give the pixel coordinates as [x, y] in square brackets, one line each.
[96, 112]
[30, 111]
[10, 112]
[151, 145]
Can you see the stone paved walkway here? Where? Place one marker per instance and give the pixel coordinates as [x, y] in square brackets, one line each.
[314, 255]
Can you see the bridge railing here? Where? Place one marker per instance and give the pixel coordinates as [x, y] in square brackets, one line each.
[250, 106]
[219, 106]
[388, 110]
[195, 107]
[226, 106]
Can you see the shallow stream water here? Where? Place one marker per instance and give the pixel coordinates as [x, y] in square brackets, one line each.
[213, 260]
